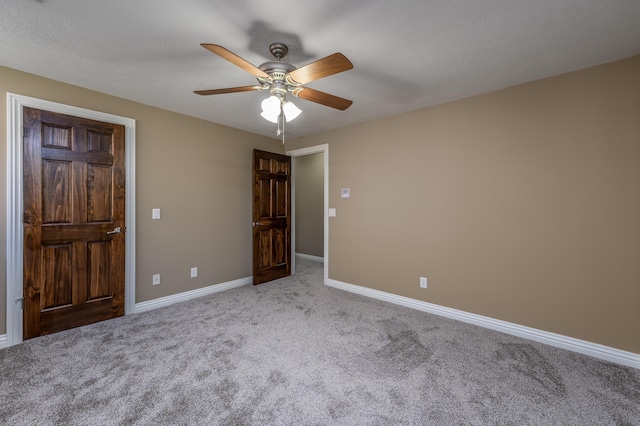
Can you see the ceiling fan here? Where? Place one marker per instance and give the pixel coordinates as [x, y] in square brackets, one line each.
[281, 77]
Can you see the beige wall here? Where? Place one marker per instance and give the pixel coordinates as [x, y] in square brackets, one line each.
[197, 172]
[521, 204]
[309, 187]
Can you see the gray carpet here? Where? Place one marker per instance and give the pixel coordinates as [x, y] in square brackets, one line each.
[296, 352]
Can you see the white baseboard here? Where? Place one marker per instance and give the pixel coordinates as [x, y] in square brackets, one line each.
[3, 341]
[606, 353]
[310, 257]
[187, 295]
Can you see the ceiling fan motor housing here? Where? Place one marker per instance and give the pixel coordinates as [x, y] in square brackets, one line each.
[277, 71]
[276, 66]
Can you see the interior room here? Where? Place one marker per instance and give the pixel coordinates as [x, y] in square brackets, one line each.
[467, 170]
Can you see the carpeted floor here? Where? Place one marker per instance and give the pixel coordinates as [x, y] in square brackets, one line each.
[296, 352]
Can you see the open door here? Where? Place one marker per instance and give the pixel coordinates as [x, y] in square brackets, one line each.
[271, 216]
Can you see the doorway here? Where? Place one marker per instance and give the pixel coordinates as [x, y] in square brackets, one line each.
[324, 150]
[15, 195]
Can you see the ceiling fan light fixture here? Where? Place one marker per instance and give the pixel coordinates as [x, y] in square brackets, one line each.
[271, 108]
[290, 111]
[270, 117]
[271, 105]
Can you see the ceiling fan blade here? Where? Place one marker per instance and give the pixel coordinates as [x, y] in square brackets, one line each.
[321, 68]
[228, 90]
[235, 59]
[322, 98]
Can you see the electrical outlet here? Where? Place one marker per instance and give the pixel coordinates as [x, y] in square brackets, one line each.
[423, 282]
[156, 279]
[194, 272]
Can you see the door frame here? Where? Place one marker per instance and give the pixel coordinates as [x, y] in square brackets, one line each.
[324, 148]
[15, 201]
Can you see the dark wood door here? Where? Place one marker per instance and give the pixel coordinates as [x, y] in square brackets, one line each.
[74, 204]
[271, 216]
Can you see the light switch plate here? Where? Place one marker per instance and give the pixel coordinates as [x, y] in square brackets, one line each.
[345, 193]
[155, 214]
[194, 272]
[332, 212]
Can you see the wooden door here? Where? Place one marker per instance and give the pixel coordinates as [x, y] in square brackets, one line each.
[271, 216]
[74, 204]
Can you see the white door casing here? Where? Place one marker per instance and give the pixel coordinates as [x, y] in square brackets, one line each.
[15, 244]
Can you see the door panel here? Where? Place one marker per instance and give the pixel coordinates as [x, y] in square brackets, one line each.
[56, 286]
[74, 194]
[56, 187]
[271, 216]
[99, 261]
[99, 197]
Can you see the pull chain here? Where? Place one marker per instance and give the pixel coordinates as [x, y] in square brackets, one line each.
[279, 130]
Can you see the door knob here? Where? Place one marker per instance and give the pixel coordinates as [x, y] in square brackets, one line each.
[115, 231]
[257, 224]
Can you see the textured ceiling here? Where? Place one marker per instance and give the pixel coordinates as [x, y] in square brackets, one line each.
[406, 54]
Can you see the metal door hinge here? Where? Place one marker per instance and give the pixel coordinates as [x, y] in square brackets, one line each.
[21, 300]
